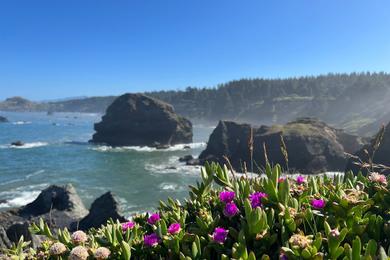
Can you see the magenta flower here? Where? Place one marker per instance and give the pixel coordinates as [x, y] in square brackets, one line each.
[300, 179]
[127, 225]
[174, 228]
[230, 210]
[256, 198]
[226, 196]
[318, 204]
[154, 218]
[151, 240]
[220, 235]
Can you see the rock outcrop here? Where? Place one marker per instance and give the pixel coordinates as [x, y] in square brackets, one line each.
[103, 208]
[3, 119]
[378, 149]
[139, 120]
[312, 145]
[60, 207]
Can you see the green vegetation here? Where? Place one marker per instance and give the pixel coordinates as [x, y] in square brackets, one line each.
[229, 216]
[333, 98]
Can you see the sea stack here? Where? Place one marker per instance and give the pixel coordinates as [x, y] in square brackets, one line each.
[377, 151]
[139, 120]
[312, 146]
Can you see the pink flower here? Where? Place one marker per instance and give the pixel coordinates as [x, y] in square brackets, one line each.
[151, 240]
[379, 178]
[300, 179]
[79, 237]
[127, 225]
[154, 218]
[282, 179]
[256, 198]
[226, 196]
[174, 228]
[318, 204]
[220, 235]
[230, 210]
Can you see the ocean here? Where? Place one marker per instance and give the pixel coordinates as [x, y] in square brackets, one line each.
[57, 151]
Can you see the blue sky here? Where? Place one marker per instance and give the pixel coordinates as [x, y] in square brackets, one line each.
[53, 49]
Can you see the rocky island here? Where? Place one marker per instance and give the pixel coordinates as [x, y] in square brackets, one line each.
[312, 145]
[60, 207]
[139, 120]
[3, 119]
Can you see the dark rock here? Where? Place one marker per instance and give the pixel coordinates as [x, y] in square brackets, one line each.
[60, 198]
[312, 145]
[186, 158]
[102, 209]
[3, 119]
[138, 120]
[380, 155]
[186, 147]
[16, 230]
[193, 162]
[4, 240]
[17, 143]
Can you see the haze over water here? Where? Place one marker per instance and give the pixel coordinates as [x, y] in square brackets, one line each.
[56, 151]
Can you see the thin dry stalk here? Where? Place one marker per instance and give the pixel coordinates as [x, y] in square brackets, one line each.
[284, 151]
[250, 147]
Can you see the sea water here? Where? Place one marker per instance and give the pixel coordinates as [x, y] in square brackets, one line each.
[56, 151]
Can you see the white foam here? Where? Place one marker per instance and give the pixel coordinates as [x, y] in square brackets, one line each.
[173, 166]
[27, 145]
[178, 147]
[22, 199]
[21, 123]
[21, 195]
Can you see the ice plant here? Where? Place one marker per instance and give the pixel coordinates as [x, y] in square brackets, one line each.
[78, 253]
[300, 240]
[57, 249]
[300, 179]
[334, 233]
[378, 178]
[79, 237]
[226, 196]
[154, 218]
[220, 235]
[102, 253]
[318, 204]
[282, 179]
[230, 210]
[256, 198]
[127, 225]
[151, 240]
[174, 229]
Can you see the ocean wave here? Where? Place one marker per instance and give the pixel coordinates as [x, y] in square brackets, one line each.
[178, 147]
[172, 166]
[27, 177]
[168, 186]
[21, 196]
[25, 146]
[21, 122]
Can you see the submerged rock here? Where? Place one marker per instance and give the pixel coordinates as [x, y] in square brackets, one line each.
[312, 145]
[17, 143]
[186, 158]
[378, 149]
[102, 209]
[3, 119]
[139, 120]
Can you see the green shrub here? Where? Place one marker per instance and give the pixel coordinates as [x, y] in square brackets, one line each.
[228, 216]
